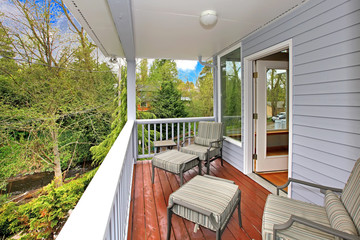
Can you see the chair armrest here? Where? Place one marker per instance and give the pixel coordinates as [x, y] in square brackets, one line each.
[312, 224]
[183, 142]
[216, 141]
[321, 187]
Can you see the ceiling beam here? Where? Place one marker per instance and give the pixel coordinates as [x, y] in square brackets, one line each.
[122, 16]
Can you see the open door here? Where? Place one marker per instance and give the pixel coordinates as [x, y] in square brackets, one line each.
[271, 119]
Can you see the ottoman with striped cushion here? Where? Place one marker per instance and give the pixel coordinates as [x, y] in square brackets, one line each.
[175, 162]
[207, 201]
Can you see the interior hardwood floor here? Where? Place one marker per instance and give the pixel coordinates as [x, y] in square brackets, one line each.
[148, 215]
[276, 178]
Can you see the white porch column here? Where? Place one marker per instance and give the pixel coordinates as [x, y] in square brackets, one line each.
[131, 90]
[215, 90]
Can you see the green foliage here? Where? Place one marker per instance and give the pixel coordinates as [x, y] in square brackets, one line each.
[15, 160]
[100, 151]
[276, 89]
[202, 98]
[43, 216]
[231, 97]
[56, 101]
[163, 70]
[167, 102]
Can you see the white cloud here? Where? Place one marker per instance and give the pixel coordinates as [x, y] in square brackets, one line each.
[186, 64]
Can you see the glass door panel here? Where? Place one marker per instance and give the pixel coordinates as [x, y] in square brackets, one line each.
[277, 123]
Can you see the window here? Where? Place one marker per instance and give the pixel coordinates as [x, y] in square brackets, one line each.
[230, 65]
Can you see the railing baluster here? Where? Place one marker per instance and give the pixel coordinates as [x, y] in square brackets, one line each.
[194, 129]
[142, 142]
[178, 134]
[117, 217]
[189, 128]
[172, 131]
[155, 132]
[149, 142]
[167, 137]
[160, 131]
[184, 131]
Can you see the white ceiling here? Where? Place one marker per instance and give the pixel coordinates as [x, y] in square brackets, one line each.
[171, 29]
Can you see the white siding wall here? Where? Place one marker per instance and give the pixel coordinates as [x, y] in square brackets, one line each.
[326, 89]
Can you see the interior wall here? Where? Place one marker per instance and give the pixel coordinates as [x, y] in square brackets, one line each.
[326, 97]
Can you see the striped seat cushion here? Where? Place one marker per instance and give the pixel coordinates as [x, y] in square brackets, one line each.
[200, 151]
[337, 214]
[219, 196]
[351, 195]
[174, 161]
[278, 210]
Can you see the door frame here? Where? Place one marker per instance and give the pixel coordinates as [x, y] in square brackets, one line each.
[248, 104]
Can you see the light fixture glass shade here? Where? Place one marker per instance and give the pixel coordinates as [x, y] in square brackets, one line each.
[208, 18]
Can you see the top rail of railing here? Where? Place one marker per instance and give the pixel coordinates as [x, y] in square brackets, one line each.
[155, 130]
[102, 212]
[173, 120]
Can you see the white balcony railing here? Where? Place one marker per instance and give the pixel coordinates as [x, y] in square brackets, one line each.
[103, 210]
[164, 129]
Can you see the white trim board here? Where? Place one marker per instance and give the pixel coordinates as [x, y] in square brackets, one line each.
[238, 143]
[248, 101]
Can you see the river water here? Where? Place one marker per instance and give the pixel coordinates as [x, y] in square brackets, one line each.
[19, 185]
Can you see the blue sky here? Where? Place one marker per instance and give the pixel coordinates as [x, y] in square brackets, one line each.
[189, 70]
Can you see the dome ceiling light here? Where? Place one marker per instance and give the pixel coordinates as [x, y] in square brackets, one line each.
[208, 19]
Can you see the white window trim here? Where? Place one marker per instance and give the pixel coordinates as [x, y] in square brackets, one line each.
[229, 139]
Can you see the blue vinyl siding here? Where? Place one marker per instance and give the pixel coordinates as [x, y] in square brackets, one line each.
[233, 154]
[326, 88]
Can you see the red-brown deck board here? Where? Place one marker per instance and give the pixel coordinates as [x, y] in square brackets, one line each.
[148, 218]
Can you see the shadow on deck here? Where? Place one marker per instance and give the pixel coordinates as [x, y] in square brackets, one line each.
[148, 218]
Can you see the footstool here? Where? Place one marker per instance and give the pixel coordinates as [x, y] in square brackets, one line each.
[207, 201]
[175, 162]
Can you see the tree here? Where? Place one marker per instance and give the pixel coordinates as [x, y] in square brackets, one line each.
[202, 100]
[163, 70]
[58, 99]
[233, 91]
[276, 89]
[120, 117]
[167, 102]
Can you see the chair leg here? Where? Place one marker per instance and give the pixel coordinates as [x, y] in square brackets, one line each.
[208, 166]
[153, 173]
[239, 213]
[181, 178]
[199, 166]
[218, 234]
[222, 163]
[169, 214]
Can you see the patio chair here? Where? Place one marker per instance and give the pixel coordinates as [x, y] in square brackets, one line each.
[339, 218]
[207, 144]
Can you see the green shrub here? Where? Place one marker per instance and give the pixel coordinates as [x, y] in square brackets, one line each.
[43, 216]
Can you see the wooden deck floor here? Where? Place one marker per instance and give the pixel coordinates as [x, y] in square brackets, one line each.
[148, 218]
